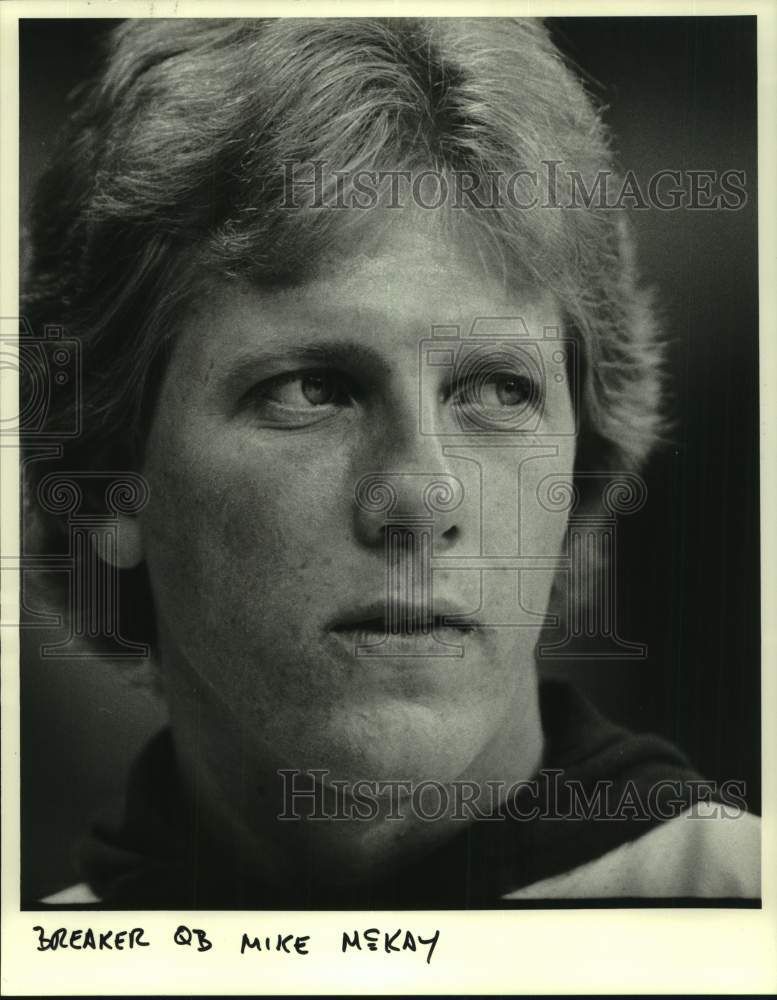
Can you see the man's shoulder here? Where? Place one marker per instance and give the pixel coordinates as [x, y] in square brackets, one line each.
[707, 851]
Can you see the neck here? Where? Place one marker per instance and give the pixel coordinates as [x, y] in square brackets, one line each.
[347, 830]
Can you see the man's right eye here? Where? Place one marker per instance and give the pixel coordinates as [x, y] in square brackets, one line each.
[299, 397]
[307, 390]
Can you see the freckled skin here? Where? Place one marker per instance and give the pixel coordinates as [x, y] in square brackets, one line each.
[253, 544]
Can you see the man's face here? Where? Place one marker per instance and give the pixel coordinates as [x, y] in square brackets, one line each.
[267, 546]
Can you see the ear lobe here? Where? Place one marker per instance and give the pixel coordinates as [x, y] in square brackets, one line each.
[124, 550]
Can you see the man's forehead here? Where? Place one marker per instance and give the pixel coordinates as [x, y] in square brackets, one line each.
[388, 243]
[370, 299]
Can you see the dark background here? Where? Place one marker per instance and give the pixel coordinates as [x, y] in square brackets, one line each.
[681, 94]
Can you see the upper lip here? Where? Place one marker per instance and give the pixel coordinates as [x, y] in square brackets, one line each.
[375, 614]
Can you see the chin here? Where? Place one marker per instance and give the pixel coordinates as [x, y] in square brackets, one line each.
[397, 742]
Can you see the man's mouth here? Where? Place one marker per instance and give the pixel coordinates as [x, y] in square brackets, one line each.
[402, 620]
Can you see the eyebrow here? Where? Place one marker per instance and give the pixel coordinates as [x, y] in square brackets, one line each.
[335, 353]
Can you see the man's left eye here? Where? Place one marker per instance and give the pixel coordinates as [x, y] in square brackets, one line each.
[498, 391]
[506, 390]
[497, 401]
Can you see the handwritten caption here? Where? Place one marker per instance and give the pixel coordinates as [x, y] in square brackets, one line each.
[371, 939]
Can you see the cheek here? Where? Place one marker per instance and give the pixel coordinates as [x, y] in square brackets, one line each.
[239, 535]
[239, 568]
[546, 487]
[524, 501]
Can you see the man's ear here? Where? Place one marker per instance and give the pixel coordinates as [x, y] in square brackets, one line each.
[124, 549]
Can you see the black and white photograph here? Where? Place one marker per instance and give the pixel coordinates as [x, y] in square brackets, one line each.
[389, 469]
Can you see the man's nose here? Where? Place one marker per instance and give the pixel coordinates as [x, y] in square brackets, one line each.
[408, 481]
